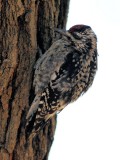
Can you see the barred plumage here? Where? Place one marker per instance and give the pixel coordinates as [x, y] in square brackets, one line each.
[64, 72]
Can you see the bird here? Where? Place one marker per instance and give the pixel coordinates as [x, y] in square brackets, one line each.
[63, 73]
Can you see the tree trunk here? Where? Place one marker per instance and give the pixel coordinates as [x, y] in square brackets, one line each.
[25, 26]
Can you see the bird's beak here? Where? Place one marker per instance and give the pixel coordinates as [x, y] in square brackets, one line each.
[61, 31]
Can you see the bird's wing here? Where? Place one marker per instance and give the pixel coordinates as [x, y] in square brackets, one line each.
[50, 101]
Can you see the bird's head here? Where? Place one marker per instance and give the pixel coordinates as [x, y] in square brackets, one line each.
[79, 35]
[77, 31]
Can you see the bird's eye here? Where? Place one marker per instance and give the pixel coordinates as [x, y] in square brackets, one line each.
[76, 35]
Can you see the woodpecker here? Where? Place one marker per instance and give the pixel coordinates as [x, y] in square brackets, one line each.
[64, 73]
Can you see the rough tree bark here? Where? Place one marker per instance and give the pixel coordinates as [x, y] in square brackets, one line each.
[24, 25]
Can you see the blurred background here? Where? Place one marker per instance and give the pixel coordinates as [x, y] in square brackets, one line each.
[90, 127]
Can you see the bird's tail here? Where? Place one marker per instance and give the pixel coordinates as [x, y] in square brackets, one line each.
[32, 127]
[35, 119]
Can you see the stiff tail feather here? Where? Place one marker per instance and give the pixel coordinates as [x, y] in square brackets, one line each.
[35, 119]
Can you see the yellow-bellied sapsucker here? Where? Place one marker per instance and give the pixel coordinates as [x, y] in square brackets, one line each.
[64, 72]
